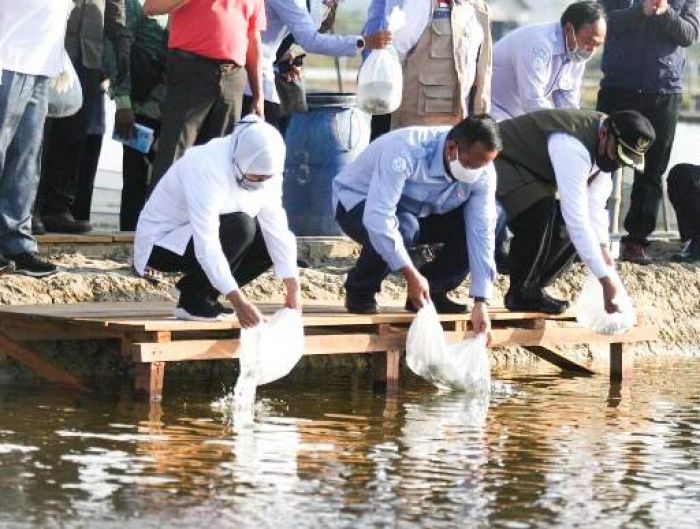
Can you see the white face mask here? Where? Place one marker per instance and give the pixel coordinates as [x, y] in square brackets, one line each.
[579, 55]
[461, 173]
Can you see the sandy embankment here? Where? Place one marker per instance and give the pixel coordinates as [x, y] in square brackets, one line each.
[667, 293]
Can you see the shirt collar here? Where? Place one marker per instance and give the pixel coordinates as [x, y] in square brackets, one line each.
[436, 166]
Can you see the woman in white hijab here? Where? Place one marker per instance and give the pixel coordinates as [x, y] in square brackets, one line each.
[217, 216]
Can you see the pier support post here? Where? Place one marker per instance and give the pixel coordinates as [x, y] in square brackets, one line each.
[621, 363]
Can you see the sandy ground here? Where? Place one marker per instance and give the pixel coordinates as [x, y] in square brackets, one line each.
[667, 293]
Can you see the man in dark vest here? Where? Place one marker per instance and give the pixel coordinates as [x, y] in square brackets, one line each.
[553, 182]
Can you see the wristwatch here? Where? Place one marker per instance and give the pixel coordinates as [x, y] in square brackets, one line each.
[360, 43]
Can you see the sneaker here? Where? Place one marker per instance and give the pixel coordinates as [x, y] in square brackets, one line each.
[361, 303]
[6, 267]
[200, 310]
[225, 313]
[30, 264]
[689, 253]
[634, 252]
[65, 223]
[533, 301]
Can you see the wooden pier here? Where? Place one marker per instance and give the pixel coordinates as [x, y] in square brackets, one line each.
[150, 337]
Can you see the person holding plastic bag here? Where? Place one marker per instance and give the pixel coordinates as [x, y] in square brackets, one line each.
[217, 216]
[31, 52]
[422, 185]
[553, 182]
[444, 48]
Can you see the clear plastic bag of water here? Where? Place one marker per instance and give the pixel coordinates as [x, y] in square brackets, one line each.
[380, 82]
[461, 366]
[65, 95]
[590, 307]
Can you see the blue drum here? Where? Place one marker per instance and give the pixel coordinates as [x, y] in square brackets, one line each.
[320, 143]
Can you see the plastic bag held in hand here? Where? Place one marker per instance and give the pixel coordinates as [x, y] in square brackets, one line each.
[65, 95]
[271, 349]
[590, 307]
[380, 82]
[462, 366]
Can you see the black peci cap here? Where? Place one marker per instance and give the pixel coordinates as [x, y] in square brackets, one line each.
[634, 135]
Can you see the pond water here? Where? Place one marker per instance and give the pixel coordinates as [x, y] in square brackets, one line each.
[331, 452]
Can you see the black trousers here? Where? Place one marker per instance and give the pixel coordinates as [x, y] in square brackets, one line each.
[647, 190]
[272, 111]
[203, 102]
[380, 124]
[65, 143]
[137, 168]
[684, 192]
[444, 273]
[540, 249]
[243, 246]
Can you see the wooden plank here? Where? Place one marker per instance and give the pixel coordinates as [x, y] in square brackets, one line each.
[369, 342]
[555, 357]
[148, 380]
[123, 237]
[68, 238]
[42, 367]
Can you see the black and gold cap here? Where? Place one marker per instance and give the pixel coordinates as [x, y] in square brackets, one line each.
[634, 135]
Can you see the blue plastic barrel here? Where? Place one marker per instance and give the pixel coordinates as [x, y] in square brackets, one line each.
[320, 143]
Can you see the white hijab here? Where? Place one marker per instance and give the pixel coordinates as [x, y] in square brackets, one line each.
[257, 147]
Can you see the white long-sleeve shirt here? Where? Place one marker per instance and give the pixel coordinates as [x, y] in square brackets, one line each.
[187, 202]
[532, 71]
[583, 205]
[32, 34]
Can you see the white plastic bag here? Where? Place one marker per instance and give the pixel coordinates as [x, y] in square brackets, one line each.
[590, 307]
[65, 93]
[271, 349]
[462, 366]
[380, 82]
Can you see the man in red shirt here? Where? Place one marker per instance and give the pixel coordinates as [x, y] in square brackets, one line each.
[210, 43]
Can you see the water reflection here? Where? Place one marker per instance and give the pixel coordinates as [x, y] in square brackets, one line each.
[335, 453]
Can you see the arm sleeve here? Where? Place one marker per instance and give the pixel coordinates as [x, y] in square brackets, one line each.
[302, 26]
[681, 28]
[572, 166]
[280, 241]
[568, 98]
[599, 191]
[379, 217]
[533, 69]
[203, 206]
[623, 20]
[258, 20]
[480, 217]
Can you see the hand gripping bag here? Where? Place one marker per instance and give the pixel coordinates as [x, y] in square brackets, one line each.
[65, 95]
[590, 307]
[461, 366]
[380, 82]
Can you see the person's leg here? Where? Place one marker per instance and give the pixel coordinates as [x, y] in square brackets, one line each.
[226, 108]
[680, 193]
[192, 89]
[136, 173]
[364, 280]
[647, 190]
[65, 148]
[86, 178]
[560, 255]
[380, 124]
[23, 107]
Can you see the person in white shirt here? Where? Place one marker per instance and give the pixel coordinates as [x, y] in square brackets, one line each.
[542, 66]
[217, 216]
[31, 51]
[553, 182]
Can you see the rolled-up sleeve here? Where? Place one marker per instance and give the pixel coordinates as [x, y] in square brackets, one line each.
[383, 195]
[280, 241]
[572, 166]
[480, 217]
[203, 207]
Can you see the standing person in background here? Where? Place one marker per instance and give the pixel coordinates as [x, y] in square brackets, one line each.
[138, 97]
[211, 42]
[445, 49]
[31, 51]
[684, 192]
[542, 65]
[65, 138]
[286, 17]
[643, 65]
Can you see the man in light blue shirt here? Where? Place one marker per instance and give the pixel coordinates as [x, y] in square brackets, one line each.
[422, 185]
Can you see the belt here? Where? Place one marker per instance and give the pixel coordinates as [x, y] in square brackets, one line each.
[182, 54]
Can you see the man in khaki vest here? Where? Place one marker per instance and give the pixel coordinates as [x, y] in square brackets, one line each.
[553, 182]
[445, 48]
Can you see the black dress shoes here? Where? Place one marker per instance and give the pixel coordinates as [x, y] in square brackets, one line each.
[361, 303]
[534, 301]
[689, 253]
[443, 304]
[65, 223]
